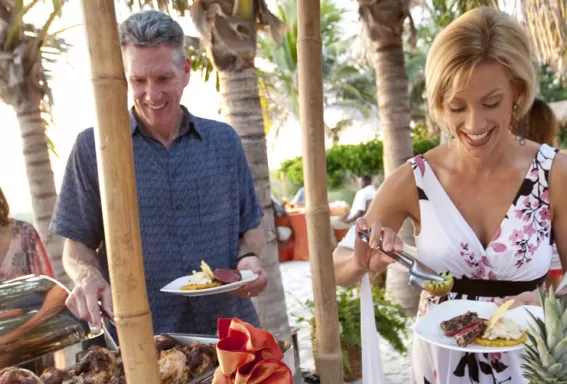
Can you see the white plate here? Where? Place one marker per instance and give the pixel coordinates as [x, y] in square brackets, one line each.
[428, 327]
[175, 286]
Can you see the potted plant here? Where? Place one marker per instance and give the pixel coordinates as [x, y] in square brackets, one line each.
[391, 321]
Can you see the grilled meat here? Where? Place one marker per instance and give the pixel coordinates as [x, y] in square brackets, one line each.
[165, 342]
[173, 367]
[465, 336]
[98, 365]
[53, 375]
[227, 276]
[13, 375]
[452, 326]
[201, 358]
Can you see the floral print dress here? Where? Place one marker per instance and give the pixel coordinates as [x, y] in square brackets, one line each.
[26, 254]
[520, 250]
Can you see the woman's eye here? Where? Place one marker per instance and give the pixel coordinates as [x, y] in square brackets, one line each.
[492, 105]
[457, 109]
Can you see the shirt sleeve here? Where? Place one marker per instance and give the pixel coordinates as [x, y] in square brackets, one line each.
[250, 210]
[78, 214]
[358, 204]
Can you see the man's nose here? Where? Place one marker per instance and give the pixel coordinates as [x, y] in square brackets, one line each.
[153, 92]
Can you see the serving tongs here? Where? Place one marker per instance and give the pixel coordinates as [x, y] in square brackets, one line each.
[420, 273]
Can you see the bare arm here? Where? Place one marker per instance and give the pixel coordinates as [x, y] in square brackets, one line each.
[78, 259]
[252, 241]
[558, 191]
[395, 200]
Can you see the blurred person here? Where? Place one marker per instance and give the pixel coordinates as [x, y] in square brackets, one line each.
[542, 127]
[21, 249]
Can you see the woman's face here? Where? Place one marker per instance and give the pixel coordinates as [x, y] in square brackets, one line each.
[479, 114]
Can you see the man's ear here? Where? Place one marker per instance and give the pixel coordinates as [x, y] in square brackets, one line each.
[187, 70]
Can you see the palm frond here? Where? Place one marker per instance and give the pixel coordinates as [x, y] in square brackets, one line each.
[546, 22]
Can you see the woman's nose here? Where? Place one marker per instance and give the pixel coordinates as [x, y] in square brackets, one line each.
[476, 121]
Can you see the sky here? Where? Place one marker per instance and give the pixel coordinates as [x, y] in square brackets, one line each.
[74, 102]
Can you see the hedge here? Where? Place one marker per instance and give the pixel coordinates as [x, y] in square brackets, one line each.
[360, 159]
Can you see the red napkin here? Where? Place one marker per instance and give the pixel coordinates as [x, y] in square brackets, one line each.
[248, 355]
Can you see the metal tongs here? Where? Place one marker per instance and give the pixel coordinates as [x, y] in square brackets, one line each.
[419, 272]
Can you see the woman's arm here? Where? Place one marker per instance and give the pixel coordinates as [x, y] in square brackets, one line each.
[395, 200]
[558, 204]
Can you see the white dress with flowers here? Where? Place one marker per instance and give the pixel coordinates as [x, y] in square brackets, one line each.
[519, 251]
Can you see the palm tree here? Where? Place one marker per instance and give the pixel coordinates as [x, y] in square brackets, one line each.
[546, 22]
[24, 49]
[228, 31]
[383, 21]
[346, 83]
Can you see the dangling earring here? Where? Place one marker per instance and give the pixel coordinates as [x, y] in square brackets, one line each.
[513, 121]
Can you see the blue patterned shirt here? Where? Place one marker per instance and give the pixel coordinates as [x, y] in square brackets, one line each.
[195, 200]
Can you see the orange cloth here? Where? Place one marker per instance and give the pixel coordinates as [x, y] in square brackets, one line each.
[248, 355]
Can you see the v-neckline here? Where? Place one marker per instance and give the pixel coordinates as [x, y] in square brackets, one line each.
[462, 218]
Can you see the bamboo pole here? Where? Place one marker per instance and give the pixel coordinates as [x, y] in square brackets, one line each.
[310, 79]
[118, 194]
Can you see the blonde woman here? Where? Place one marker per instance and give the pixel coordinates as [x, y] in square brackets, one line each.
[484, 207]
[21, 250]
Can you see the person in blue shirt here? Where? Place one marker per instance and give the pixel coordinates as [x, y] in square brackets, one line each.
[195, 193]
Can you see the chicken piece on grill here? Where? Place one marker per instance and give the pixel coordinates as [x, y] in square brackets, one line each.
[165, 342]
[201, 358]
[54, 375]
[173, 367]
[97, 366]
[13, 375]
[117, 380]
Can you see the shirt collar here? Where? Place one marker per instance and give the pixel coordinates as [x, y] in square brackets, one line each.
[187, 128]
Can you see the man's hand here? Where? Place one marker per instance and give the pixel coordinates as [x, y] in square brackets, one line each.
[83, 301]
[256, 287]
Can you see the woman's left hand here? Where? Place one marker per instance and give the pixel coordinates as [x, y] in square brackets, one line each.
[524, 298]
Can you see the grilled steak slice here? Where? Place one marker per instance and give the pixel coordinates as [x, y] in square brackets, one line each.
[452, 326]
[227, 276]
[468, 334]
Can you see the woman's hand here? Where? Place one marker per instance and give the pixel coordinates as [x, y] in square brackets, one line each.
[524, 298]
[366, 256]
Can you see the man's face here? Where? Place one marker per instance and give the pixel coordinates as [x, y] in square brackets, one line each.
[156, 78]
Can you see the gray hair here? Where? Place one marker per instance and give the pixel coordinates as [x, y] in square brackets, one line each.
[152, 29]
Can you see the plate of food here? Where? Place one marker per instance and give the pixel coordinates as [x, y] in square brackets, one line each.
[478, 327]
[208, 282]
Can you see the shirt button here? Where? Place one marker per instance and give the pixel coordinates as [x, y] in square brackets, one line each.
[178, 207]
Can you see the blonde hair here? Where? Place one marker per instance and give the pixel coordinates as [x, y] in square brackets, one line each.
[481, 35]
[542, 124]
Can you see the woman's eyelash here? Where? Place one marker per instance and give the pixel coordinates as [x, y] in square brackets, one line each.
[493, 105]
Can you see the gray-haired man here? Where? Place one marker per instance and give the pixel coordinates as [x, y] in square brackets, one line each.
[195, 193]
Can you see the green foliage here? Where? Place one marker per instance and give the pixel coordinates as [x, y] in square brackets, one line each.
[345, 82]
[391, 319]
[360, 159]
[552, 87]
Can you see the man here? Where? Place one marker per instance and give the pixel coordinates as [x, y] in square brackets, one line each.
[360, 204]
[195, 193]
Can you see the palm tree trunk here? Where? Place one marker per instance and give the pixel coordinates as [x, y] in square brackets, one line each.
[242, 110]
[384, 22]
[40, 180]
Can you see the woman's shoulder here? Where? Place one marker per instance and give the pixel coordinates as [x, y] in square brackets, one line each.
[21, 226]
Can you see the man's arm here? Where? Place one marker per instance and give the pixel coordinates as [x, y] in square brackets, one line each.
[252, 242]
[78, 259]
[252, 238]
[78, 218]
